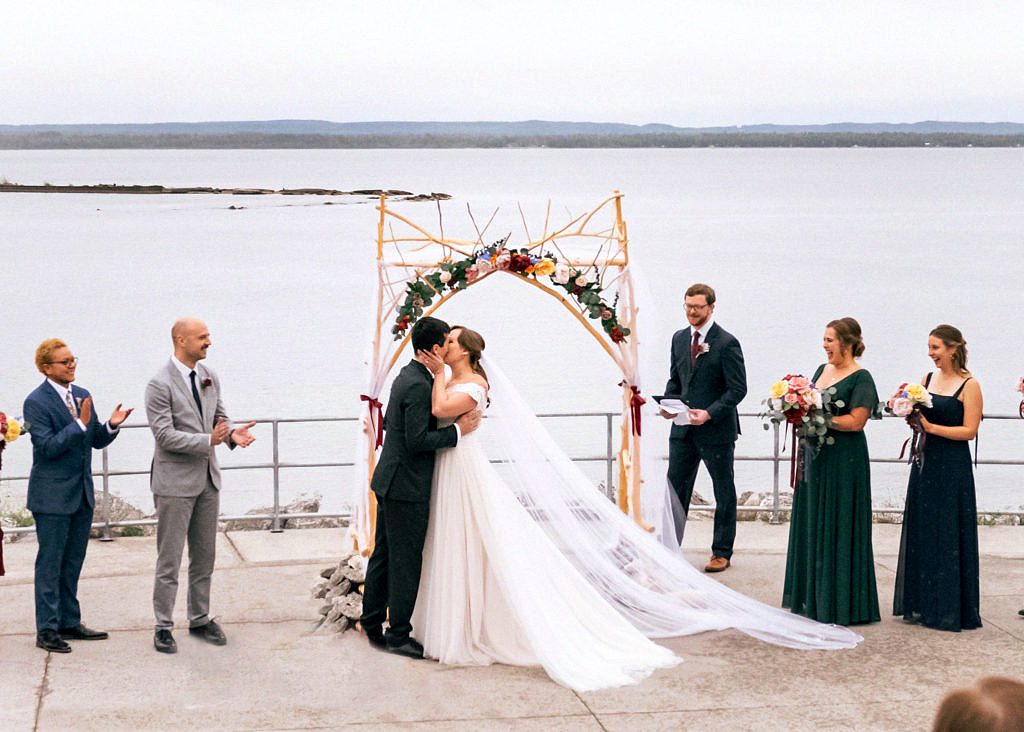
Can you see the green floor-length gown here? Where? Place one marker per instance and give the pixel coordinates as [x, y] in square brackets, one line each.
[830, 570]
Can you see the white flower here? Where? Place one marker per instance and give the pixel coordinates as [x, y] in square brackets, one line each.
[445, 277]
[817, 399]
[562, 273]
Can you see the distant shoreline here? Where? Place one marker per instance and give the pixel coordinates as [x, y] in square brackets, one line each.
[8, 187]
[286, 141]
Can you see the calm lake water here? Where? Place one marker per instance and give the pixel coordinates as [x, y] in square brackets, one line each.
[790, 239]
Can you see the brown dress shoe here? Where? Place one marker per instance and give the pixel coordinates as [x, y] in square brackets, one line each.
[717, 564]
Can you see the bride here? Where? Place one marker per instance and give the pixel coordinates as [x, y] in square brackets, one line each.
[533, 566]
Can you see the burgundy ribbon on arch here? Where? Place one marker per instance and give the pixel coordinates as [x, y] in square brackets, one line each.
[376, 416]
[635, 402]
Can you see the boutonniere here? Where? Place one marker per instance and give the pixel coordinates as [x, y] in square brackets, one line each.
[704, 348]
[206, 382]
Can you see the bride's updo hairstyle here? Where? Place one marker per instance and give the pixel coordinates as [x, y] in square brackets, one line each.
[473, 343]
[952, 338]
[847, 330]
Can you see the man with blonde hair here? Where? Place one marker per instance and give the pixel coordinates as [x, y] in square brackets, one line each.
[188, 421]
[64, 431]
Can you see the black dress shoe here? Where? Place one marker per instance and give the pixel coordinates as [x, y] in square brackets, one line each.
[163, 641]
[1020, 612]
[376, 637]
[409, 647]
[211, 633]
[50, 640]
[83, 632]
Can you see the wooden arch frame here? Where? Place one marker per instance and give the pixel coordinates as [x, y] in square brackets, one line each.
[401, 260]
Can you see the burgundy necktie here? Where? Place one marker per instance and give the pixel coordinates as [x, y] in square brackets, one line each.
[694, 348]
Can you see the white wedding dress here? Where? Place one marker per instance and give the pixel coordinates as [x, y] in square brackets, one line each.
[494, 588]
[534, 566]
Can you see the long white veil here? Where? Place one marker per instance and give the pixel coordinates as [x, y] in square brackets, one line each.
[653, 586]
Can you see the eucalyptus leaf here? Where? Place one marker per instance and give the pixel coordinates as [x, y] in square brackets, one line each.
[840, 403]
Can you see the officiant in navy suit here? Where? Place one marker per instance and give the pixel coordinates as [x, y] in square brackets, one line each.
[708, 375]
[64, 431]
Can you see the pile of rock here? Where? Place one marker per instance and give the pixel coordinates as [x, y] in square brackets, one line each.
[303, 504]
[121, 510]
[341, 589]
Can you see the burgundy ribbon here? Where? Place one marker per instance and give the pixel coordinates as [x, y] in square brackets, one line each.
[915, 442]
[796, 462]
[375, 409]
[635, 402]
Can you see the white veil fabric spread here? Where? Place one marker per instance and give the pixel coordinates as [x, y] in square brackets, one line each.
[643, 576]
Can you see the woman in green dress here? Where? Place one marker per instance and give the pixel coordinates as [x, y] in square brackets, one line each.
[830, 569]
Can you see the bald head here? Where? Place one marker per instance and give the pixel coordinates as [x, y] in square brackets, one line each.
[191, 338]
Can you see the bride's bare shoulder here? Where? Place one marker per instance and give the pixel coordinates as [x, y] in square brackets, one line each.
[474, 379]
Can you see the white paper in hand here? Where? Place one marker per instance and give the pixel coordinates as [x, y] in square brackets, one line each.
[676, 407]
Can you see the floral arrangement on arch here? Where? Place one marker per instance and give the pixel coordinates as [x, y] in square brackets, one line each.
[583, 285]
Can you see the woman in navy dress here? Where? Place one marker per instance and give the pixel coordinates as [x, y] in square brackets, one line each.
[937, 577]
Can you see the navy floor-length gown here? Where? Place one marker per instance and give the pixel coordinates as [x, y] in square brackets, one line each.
[937, 576]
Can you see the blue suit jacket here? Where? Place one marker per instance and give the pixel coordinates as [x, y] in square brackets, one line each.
[61, 452]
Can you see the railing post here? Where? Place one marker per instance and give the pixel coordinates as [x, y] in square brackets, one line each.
[106, 536]
[775, 476]
[609, 457]
[275, 526]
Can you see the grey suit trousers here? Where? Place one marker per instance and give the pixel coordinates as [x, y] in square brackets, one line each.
[178, 518]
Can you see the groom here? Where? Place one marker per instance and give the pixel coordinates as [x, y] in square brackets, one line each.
[401, 482]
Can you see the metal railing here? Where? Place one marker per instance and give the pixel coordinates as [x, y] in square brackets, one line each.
[777, 458]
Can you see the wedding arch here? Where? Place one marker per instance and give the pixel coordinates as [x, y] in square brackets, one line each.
[584, 264]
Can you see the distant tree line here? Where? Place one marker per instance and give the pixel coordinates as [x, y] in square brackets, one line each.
[59, 141]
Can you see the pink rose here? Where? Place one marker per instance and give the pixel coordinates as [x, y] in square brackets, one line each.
[504, 261]
[901, 406]
[472, 274]
[799, 383]
[790, 398]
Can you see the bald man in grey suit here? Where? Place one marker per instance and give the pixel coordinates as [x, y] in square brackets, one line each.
[188, 422]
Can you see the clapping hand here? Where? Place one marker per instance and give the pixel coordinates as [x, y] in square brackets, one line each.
[119, 415]
[434, 364]
[85, 410]
[220, 432]
[241, 435]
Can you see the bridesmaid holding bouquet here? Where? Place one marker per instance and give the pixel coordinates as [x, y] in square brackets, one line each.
[937, 577]
[830, 570]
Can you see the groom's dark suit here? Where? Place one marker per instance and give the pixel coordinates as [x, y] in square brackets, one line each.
[401, 482]
[717, 382]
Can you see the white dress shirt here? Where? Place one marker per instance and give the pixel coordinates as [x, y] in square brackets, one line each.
[62, 392]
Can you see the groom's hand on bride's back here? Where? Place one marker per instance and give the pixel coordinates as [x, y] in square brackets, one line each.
[468, 421]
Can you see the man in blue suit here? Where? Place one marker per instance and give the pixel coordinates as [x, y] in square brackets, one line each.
[64, 432]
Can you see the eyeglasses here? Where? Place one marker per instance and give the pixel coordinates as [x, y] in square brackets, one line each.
[696, 307]
[66, 363]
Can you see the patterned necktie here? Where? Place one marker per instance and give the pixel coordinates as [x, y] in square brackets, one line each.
[195, 392]
[694, 348]
[70, 401]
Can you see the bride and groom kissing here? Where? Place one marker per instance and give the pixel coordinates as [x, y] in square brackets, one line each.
[524, 563]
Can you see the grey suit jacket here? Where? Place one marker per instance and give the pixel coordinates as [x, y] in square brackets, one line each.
[183, 455]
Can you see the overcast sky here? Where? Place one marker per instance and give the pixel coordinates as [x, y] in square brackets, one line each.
[685, 63]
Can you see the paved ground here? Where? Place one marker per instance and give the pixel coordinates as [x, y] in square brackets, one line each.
[275, 673]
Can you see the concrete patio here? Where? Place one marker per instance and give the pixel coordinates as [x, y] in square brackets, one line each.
[275, 673]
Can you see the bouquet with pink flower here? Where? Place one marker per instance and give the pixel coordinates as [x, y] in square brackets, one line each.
[906, 402]
[1020, 388]
[796, 401]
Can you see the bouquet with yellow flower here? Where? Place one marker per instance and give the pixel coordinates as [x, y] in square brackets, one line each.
[10, 430]
[906, 402]
[795, 400]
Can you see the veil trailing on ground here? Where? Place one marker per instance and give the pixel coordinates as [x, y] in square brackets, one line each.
[653, 586]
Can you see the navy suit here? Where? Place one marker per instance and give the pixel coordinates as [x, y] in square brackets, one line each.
[61, 499]
[717, 382]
